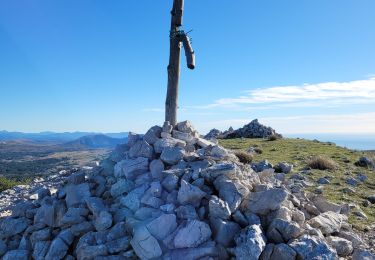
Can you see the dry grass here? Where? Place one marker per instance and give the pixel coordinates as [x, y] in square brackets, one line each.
[322, 163]
[273, 138]
[244, 157]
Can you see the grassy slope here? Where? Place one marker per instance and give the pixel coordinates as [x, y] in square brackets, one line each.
[299, 151]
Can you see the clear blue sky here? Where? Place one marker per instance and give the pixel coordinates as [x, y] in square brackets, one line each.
[301, 66]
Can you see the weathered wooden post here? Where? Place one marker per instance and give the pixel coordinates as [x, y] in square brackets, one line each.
[177, 38]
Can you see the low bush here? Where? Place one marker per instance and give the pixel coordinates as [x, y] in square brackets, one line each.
[322, 163]
[244, 157]
[7, 183]
[273, 138]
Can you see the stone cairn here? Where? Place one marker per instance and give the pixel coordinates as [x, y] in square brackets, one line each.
[254, 129]
[171, 194]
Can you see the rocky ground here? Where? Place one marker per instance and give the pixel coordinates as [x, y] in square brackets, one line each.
[172, 195]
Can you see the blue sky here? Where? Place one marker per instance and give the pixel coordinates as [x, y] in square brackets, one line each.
[299, 66]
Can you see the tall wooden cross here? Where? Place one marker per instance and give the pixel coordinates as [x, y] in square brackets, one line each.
[177, 38]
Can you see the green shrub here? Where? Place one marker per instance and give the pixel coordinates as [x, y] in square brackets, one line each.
[7, 183]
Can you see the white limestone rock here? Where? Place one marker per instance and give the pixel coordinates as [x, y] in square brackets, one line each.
[144, 244]
[218, 208]
[189, 194]
[328, 222]
[264, 201]
[250, 243]
[193, 234]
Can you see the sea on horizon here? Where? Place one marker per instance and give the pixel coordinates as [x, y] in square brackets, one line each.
[362, 142]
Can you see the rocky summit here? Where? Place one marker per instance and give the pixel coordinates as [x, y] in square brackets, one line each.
[254, 129]
[170, 194]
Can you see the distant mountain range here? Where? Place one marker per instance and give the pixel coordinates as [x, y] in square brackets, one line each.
[53, 136]
[76, 140]
[94, 141]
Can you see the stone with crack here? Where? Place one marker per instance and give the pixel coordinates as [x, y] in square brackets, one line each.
[193, 234]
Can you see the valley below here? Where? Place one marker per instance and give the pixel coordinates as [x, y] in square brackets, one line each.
[22, 161]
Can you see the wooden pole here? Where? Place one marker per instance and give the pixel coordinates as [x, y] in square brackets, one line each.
[177, 37]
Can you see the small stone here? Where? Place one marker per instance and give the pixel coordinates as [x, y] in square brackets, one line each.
[41, 249]
[121, 186]
[103, 221]
[328, 222]
[361, 254]
[156, 169]
[186, 212]
[342, 246]
[161, 144]
[283, 252]
[162, 226]
[156, 189]
[280, 231]
[153, 134]
[185, 127]
[131, 168]
[323, 181]
[3, 247]
[13, 226]
[351, 181]
[167, 208]
[264, 201]
[284, 167]
[40, 194]
[312, 247]
[57, 250]
[218, 208]
[365, 162]
[224, 231]
[133, 199]
[41, 235]
[189, 194]
[16, 255]
[172, 155]
[371, 199]
[182, 136]
[232, 192]
[76, 194]
[118, 245]
[360, 214]
[144, 244]
[95, 205]
[170, 182]
[73, 216]
[82, 228]
[192, 235]
[250, 243]
[141, 149]
[117, 231]
[91, 252]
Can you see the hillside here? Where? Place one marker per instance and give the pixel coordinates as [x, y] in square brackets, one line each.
[185, 197]
[299, 151]
[94, 142]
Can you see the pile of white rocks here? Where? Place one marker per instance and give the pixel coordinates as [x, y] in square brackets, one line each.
[172, 195]
[254, 129]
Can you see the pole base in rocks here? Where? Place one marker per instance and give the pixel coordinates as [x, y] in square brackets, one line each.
[170, 194]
